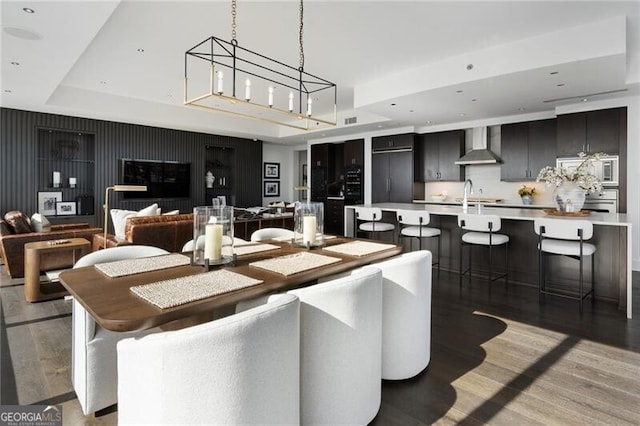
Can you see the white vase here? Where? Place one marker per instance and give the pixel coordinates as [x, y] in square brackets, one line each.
[569, 197]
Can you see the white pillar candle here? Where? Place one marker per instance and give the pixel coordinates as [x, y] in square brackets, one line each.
[213, 240]
[247, 90]
[309, 229]
[56, 179]
[220, 82]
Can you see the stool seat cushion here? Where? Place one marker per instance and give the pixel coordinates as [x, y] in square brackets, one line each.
[482, 238]
[414, 231]
[567, 248]
[379, 226]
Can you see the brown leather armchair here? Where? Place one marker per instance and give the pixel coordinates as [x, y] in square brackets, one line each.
[12, 246]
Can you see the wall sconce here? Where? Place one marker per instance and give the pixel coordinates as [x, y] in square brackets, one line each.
[116, 188]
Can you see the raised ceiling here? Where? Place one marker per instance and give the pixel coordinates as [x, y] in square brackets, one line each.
[397, 64]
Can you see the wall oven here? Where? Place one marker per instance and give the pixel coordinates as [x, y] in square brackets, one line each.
[605, 202]
[606, 170]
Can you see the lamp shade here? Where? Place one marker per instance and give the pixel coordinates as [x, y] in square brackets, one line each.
[126, 188]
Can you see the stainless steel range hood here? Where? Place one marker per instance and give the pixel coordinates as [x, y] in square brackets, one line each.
[480, 152]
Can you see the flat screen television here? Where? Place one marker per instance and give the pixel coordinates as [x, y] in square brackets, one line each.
[164, 179]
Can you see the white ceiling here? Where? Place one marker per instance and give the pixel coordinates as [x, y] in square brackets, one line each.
[82, 58]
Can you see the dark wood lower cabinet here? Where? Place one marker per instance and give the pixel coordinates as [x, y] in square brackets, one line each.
[334, 217]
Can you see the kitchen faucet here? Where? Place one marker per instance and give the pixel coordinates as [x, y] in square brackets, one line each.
[468, 190]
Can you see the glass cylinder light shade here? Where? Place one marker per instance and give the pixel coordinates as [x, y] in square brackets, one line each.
[212, 235]
[308, 224]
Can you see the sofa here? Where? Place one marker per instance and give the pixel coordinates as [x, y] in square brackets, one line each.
[169, 232]
[12, 246]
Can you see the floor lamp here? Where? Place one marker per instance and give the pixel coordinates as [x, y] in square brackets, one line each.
[116, 188]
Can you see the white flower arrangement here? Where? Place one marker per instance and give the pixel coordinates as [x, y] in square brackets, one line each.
[581, 176]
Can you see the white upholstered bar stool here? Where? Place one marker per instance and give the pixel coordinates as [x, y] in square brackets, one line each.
[481, 231]
[413, 224]
[369, 219]
[269, 233]
[564, 237]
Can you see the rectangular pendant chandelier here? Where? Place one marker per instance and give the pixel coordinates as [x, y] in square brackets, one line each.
[222, 76]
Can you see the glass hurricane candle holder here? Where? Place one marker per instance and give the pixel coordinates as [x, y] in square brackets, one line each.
[308, 226]
[212, 236]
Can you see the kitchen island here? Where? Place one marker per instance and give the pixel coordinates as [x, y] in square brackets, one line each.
[611, 236]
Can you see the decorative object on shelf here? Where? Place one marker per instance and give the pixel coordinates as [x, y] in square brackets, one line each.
[308, 228]
[65, 208]
[293, 97]
[47, 202]
[271, 188]
[212, 236]
[56, 179]
[209, 179]
[526, 194]
[572, 185]
[272, 170]
[72, 182]
[116, 188]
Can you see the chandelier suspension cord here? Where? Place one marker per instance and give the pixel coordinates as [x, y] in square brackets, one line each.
[300, 35]
[234, 13]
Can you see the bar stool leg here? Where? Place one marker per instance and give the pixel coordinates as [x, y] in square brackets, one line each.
[439, 249]
[461, 268]
[581, 285]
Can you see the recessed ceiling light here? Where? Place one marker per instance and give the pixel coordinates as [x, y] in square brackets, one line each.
[103, 82]
[428, 121]
[411, 110]
[469, 67]
[521, 109]
[393, 104]
[458, 91]
[462, 114]
[15, 63]
[379, 126]
[141, 50]
[7, 90]
[560, 85]
[553, 72]
[584, 99]
[473, 100]
[28, 10]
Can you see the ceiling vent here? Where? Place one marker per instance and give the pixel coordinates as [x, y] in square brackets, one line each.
[350, 120]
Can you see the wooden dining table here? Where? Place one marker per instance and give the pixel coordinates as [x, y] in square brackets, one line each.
[115, 307]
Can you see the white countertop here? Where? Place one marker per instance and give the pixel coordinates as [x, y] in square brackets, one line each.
[453, 202]
[609, 219]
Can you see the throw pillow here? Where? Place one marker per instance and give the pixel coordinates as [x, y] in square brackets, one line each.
[119, 217]
[18, 221]
[171, 213]
[39, 223]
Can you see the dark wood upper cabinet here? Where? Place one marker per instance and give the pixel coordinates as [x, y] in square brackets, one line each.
[393, 142]
[590, 132]
[436, 154]
[526, 148]
[354, 153]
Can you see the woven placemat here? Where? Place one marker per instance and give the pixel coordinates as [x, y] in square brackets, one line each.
[358, 248]
[121, 268]
[249, 248]
[294, 263]
[178, 291]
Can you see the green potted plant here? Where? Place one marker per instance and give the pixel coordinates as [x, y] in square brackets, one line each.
[526, 194]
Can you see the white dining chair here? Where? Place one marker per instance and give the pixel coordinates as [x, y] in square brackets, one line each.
[93, 367]
[565, 237]
[269, 233]
[239, 370]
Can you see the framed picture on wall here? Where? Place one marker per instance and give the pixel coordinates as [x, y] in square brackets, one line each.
[47, 202]
[271, 189]
[65, 208]
[272, 170]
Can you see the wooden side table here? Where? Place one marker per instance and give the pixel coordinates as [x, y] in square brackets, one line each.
[34, 291]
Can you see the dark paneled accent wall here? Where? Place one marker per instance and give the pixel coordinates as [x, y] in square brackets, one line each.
[113, 140]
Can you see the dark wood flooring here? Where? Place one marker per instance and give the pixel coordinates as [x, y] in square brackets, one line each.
[497, 358]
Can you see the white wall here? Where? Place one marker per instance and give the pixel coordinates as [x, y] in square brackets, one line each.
[284, 155]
